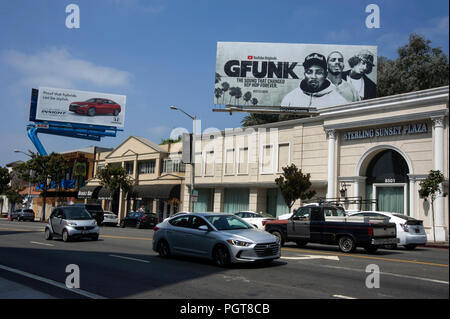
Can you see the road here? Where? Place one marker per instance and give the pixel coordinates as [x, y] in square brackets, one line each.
[121, 264]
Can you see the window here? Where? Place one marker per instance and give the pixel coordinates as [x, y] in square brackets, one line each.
[129, 167]
[173, 166]
[147, 167]
[267, 159]
[229, 162]
[196, 222]
[181, 221]
[209, 163]
[283, 156]
[302, 213]
[243, 161]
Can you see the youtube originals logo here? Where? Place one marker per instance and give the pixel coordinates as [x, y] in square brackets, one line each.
[250, 57]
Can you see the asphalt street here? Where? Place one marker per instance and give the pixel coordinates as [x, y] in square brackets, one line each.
[121, 264]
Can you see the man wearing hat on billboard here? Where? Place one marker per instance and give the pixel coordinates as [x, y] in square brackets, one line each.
[335, 63]
[314, 90]
[360, 65]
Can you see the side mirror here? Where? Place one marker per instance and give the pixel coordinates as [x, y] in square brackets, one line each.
[203, 227]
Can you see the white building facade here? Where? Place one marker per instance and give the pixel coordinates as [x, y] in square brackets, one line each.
[376, 150]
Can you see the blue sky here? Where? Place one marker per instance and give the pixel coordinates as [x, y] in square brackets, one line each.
[162, 52]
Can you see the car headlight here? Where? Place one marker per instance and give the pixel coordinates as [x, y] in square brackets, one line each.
[277, 239]
[94, 223]
[240, 243]
[71, 224]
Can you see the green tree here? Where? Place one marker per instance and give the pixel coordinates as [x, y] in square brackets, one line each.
[419, 66]
[43, 170]
[170, 140]
[430, 188]
[257, 119]
[115, 177]
[14, 196]
[5, 178]
[294, 185]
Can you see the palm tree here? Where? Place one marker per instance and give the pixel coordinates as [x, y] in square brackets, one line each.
[218, 93]
[247, 97]
[225, 87]
[257, 119]
[218, 78]
[232, 93]
[255, 101]
[238, 95]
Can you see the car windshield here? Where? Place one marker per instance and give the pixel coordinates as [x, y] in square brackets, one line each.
[76, 213]
[227, 222]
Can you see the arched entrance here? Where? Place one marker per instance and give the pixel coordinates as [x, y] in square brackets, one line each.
[387, 181]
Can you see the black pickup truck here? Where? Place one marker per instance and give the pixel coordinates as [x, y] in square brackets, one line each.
[326, 224]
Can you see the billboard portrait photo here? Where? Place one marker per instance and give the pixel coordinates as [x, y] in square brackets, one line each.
[83, 107]
[293, 76]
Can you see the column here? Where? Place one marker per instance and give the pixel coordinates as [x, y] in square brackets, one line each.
[412, 193]
[253, 200]
[438, 155]
[219, 193]
[165, 210]
[331, 136]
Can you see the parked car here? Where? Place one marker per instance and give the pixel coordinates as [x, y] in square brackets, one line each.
[139, 220]
[257, 220]
[176, 214]
[95, 106]
[223, 238]
[22, 214]
[95, 210]
[326, 224]
[410, 231]
[71, 222]
[339, 211]
[110, 218]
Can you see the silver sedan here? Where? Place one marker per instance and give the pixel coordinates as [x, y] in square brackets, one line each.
[224, 238]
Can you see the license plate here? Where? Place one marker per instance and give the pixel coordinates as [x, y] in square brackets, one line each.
[84, 232]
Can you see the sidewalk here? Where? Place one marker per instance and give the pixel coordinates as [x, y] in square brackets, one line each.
[437, 244]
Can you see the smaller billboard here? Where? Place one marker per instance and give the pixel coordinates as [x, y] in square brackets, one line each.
[83, 107]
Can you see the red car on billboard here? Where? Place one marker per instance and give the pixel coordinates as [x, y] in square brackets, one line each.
[95, 106]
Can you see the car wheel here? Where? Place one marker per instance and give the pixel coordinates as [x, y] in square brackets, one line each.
[278, 234]
[301, 243]
[122, 224]
[163, 249]
[347, 244]
[116, 112]
[65, 236]
[371, 249]
[48, 234]
[221, 256]
[410, 246]
[138, 225]
[95, 237]
[393, 246]
[91, 111]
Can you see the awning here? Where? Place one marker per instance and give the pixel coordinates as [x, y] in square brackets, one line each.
[162, 191]
[89, 192]
[105, 193]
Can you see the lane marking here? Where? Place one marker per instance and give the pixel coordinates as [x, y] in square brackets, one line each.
[306, 257]
[37, 243]
[343, 297]
[391, 274]
[129, 258]
[53, 283]
[367, 257]
[122, 237]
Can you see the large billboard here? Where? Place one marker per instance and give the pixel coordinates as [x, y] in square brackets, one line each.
[71, 106]
[294, 76]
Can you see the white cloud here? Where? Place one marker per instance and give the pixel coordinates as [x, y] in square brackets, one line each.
[58, 68]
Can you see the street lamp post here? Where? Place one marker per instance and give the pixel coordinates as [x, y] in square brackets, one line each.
[194, 119]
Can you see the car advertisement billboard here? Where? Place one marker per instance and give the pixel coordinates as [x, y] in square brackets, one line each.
[293, 76]
[71, 106]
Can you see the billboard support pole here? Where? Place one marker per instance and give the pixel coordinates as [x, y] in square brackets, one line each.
[87, 132]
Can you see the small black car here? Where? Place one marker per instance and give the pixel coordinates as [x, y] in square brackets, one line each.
[95, 210]
[22, 214]
[139, 220]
